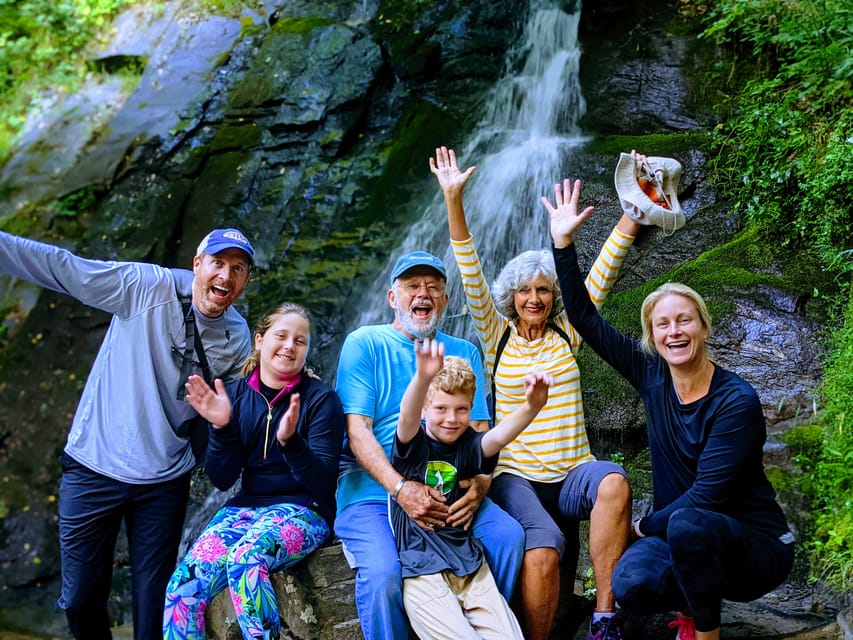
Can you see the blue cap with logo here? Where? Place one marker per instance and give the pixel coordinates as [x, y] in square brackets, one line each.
[222, 239]
[417, 259]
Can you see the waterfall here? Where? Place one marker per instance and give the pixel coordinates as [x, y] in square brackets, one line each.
[519, 147]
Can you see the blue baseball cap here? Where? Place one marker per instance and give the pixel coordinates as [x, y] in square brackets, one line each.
[221, 239]
[417, 259]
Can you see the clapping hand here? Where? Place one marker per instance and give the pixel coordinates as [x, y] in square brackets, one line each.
[212, 404]
[288, 422]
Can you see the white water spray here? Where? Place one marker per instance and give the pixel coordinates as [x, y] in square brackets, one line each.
[519, 147]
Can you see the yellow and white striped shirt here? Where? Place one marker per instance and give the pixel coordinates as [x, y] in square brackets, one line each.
[556, 440]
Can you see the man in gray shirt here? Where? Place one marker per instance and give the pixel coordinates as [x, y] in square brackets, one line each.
[124, 459]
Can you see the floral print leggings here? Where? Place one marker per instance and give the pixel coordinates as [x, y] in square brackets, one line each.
[238, 549]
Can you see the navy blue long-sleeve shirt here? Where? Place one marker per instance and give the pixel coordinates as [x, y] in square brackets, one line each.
[304, 471]
[705, 454]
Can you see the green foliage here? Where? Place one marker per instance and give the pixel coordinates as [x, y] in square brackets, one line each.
[42, 45]
[833, 464]
[786, 156]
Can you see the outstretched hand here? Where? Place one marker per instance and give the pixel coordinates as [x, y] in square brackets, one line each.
[212, 404]
[429, 357]
[450, 178]
[536, 386]
[565, 219]
[288, 422]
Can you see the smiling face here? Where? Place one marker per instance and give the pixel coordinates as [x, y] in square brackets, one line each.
[219, 280]
[678, 331]
[533, 301]
[283, 349]
[447, 415]
[418, 298]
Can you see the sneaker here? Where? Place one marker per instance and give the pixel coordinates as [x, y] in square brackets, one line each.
[684, 625]
[606, 629]
[648, 190]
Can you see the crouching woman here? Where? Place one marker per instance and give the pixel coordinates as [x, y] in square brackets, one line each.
[715, 530]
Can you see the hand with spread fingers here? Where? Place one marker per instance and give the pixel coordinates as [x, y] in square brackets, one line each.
[565, 219]
[211, 404]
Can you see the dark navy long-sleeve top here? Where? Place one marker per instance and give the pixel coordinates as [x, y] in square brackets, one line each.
[705, 454]
[303, 471]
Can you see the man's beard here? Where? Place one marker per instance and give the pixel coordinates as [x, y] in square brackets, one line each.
[420, 329]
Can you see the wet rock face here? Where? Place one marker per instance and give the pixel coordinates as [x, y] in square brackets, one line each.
[773, 348]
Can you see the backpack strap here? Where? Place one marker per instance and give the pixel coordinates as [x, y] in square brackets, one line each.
[502, 344]
[498, 352]
[192, 344]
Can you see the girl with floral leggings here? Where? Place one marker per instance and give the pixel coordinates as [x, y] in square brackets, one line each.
[281, 431]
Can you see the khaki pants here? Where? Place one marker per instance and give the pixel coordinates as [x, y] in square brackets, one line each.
[442, 606]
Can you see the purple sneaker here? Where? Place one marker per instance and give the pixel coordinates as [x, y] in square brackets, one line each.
[606, 629]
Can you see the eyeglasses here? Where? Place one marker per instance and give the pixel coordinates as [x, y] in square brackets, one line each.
[413, 288]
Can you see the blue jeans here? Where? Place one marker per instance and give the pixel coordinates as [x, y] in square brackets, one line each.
[706, 556]
[371, 550]
[91, 509]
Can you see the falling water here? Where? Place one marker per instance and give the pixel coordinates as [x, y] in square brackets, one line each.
[519, 148]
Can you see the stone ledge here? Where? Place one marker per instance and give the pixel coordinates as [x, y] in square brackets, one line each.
[316, 601]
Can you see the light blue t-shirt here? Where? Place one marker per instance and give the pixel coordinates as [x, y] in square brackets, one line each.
[377, 363]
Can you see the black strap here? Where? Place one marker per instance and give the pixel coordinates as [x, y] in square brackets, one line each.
[193, 343]
[502, 343]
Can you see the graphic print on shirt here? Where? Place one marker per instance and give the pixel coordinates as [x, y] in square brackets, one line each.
[440, 475]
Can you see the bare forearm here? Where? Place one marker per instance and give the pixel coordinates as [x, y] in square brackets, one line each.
[411, 407]
[508, 429]
[456, 217]
[628, 225]
[369, 453]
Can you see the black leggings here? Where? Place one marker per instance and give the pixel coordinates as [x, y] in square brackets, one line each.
[706, 557]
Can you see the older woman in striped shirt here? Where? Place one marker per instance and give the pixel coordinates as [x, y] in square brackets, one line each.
[548, 474]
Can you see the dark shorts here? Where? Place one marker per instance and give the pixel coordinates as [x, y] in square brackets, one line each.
[543, 507]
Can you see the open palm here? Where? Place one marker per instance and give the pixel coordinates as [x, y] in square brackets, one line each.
[446, 170]
[565, 219]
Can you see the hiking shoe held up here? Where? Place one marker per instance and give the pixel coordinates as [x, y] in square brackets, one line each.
[685, 630]
[606, 629]
[648, 190]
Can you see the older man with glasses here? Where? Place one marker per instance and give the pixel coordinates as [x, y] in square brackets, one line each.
[376, 364]
[125, 458]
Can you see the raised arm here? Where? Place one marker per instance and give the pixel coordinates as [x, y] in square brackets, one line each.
[536, 387]
[618, 350]
[452, 182]
[120, 288]
[429, 358]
